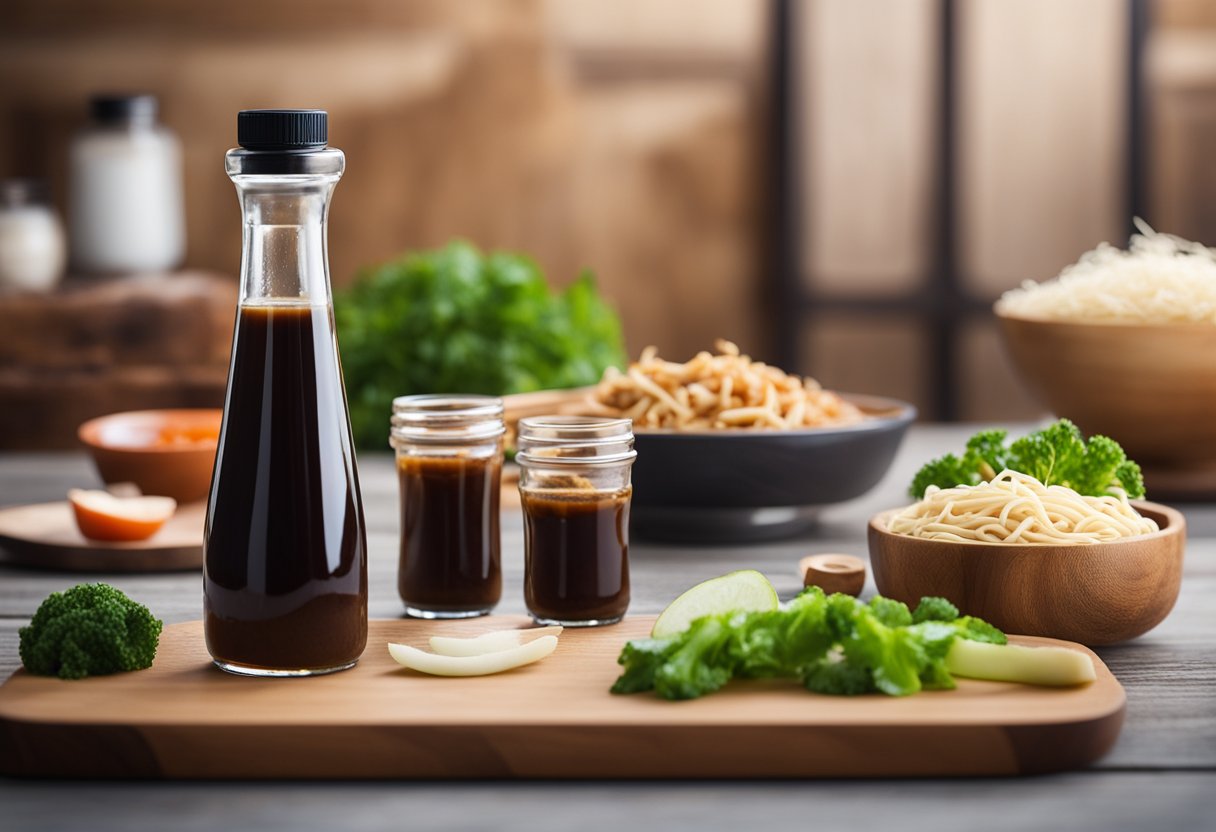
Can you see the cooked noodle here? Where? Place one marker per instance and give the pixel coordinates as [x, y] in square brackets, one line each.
[723, 391]
[1017, 508]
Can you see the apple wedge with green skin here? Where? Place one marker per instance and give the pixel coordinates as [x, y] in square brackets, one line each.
[744, 591]
[483, 665]
[494, 641]
[1052, 666]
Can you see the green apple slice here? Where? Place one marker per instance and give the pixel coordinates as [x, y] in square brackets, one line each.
[494, 641]
[482, 665]
[1056, 666]
[744, 591]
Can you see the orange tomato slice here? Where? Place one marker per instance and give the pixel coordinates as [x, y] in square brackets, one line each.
[102, 516]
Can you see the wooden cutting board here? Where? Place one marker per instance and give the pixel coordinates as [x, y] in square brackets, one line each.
[185, 719]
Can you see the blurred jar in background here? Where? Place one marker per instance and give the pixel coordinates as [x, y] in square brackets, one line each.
[32, 247]
[126, 212]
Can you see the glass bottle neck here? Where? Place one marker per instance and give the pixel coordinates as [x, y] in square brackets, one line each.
[284, 251]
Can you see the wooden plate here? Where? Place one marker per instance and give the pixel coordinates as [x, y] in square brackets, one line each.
[45, 535]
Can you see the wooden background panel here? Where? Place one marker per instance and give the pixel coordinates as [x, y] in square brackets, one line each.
[989, 389]
[479, 120]
[1042, 89]
[1180, 75]
[858, 354]
[867, 79]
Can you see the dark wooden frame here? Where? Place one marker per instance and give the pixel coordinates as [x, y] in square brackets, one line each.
[941, 304]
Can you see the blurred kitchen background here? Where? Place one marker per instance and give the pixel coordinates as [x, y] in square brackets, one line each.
[842, 186]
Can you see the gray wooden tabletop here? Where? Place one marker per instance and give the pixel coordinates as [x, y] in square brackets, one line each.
[1158, 777]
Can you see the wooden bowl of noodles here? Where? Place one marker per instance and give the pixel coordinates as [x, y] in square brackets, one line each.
[1096, 593]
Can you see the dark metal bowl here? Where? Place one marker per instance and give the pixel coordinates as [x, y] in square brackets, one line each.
[741, 486]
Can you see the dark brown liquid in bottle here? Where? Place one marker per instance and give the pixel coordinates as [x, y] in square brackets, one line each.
[285, 580]
[576, 549]
[450, 540]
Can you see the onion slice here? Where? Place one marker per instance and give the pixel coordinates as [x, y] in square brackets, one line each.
[482, 665]
[494, 641]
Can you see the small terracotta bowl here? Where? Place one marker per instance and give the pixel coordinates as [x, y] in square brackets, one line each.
[167, 453]
[1101, 593]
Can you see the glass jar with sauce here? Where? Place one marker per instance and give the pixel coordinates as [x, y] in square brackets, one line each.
[575, 490]
[449, 466]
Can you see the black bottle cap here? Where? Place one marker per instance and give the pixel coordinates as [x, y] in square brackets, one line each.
[116, 107]
[282, 130]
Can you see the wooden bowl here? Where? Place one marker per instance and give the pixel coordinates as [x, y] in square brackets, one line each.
[1151, 388]
[1097, 594]
[168, 453]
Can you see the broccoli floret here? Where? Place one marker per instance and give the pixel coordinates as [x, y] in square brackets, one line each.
[932, 608]
[1055, 455]
[986, 454]
[1129, 477]
[1049, 453]
[947, 469]
[89, 630]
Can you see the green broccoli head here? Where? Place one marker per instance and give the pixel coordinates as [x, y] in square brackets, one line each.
[1048, 453]
[1129, 477]
[89, 630]
[1055, 455]
[986, 454]
[944, 472]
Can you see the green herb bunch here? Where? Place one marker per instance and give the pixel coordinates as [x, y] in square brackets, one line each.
[453, 320]
[1055, 455]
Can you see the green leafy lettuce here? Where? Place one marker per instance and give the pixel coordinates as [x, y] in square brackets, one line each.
[453, 320]
[834, 644]
[1055, 455]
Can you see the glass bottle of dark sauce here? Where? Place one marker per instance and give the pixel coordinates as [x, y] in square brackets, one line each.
[285, 572]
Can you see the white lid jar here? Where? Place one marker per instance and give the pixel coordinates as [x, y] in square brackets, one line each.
[126, 212]
[32, 248]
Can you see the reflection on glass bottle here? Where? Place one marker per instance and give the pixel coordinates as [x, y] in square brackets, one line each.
[285, 577]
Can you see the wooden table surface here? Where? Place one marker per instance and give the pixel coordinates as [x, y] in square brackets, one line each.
[1158, 777]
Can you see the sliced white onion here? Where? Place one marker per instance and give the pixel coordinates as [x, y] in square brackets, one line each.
[482, 665]
[494, 641]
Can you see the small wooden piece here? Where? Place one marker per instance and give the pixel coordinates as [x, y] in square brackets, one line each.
[834, 573]
[1101, 593]
[45, 535]
[556, 718]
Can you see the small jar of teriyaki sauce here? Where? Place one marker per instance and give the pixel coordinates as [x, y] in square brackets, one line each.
[575, 489]
[449, 466]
